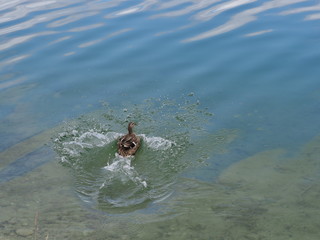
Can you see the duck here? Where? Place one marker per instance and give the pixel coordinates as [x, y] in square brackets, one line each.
[128, 144]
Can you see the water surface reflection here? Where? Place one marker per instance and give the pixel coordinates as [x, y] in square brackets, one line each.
[22, 16]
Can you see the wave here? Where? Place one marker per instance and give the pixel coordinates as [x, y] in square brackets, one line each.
[157, 143]
[113, 183]
[20, 16]
[174, 139]
[79, 142]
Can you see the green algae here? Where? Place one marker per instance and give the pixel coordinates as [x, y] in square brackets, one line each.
[267, 196]
[270, 195]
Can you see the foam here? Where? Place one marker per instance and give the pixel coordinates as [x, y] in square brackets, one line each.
[122, 165]
[74, 142]
[119, 181]
[77, 142]
[157, 143]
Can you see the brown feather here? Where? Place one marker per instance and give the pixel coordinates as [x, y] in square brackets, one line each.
[129, 143]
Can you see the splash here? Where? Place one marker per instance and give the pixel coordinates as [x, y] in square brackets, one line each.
[157, 143]
[112, 183]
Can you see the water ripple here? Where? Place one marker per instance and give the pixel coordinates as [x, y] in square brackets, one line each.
[258, 33]
[71, 19]
[196, 5]
[20, 16]
[314, 16]
[18, 40]
[240, 19]
[112, 183]
[18, 9]
[93, 42]
[143, 6]
[87, 27]
[218, 9]
[57, 14]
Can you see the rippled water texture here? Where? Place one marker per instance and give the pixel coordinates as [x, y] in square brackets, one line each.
[170, 134]
[226, 95]
[57, 17]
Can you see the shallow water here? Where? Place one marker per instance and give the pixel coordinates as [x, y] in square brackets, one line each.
[113, 183]
[226, 97]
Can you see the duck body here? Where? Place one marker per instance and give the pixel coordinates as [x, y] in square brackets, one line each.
[128, 144]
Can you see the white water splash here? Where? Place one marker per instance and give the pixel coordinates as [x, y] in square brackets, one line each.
[74, 142]
[119, 178]
[122, 166]
[113, 183]
[157, 143]
[77, 142]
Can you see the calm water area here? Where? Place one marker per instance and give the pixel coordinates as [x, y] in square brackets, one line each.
[226, 97]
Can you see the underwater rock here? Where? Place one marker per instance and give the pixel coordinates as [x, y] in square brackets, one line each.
[24, 232]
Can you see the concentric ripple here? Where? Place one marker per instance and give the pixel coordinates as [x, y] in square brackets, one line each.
[113, 183]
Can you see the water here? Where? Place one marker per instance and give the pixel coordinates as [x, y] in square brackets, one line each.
[226, 97]
[114, 183]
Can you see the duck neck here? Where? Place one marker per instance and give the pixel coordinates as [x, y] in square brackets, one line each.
[130, 129]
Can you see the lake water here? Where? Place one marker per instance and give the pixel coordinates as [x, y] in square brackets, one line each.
[226, 96]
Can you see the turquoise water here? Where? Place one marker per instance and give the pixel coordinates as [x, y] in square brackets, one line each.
[216, 87]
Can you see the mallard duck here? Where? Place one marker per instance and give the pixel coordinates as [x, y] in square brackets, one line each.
[129, 143]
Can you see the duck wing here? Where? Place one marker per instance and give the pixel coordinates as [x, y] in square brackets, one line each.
[128, 141]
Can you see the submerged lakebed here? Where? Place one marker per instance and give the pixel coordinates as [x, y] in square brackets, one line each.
[260, 192]
[92, 183]
[226, 95]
